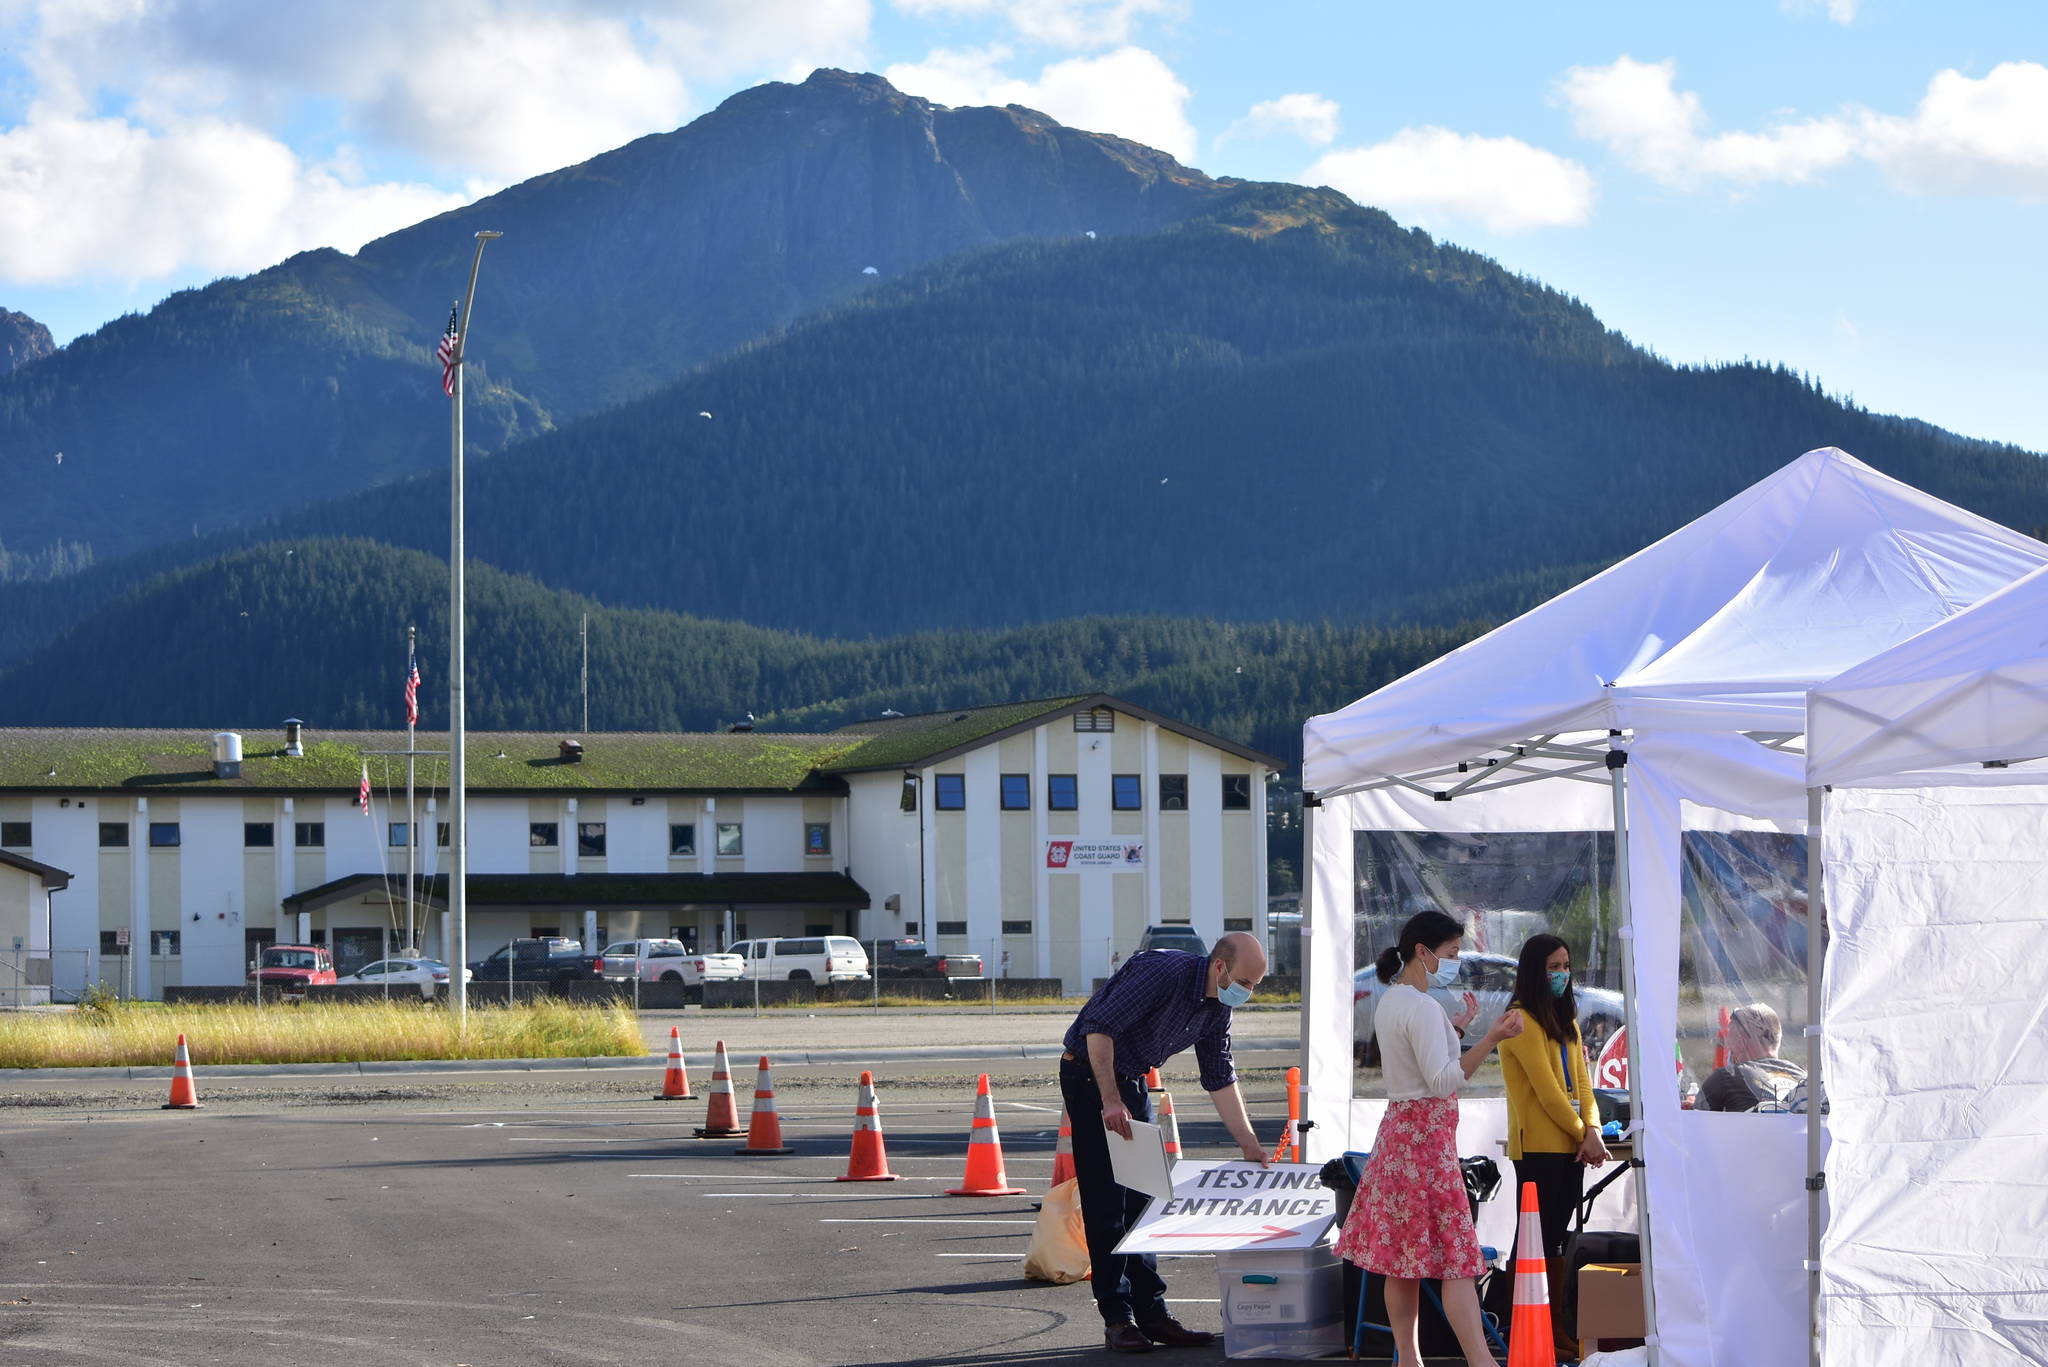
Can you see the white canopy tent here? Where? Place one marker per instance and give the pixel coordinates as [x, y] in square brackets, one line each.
[1935, 1045]
[1664, 694]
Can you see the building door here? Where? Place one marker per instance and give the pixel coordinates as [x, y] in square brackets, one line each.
[355, 946]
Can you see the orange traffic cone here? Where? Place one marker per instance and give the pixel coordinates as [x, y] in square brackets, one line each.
[1170, 1125]
[764, 1128]
[1529, 1340]
[675, 1083]
[722, 1117]
[184, 1096]
[869, 1161]
[1063, 1151]
[985, 1175]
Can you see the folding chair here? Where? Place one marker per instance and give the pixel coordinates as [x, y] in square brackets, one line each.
[1354, 1164]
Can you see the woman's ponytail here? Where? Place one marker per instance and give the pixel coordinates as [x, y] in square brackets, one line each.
[1388, 964]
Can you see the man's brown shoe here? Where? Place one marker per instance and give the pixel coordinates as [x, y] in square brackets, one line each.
[1174, 1334]
[1125, 1338]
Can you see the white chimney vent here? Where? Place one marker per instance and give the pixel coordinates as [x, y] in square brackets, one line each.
[227, 755]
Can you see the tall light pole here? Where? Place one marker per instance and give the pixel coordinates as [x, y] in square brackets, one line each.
[458, 805]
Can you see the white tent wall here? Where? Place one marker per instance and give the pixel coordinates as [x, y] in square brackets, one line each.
[1937, 1077]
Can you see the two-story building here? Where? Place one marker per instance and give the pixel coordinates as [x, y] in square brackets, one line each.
[1044, 835]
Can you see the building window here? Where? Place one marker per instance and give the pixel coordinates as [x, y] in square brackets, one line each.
[1062, 793]
[1231, 923]
[952, 793]
[163, 835]
[952, 927]
[1016, 927]
[1237, 792]
[15, 833]
[310, 835]
[441, 834]
[682, 838]
[110, 947]
[1173, 792]
[730, 843]
[590, 840]
[1095, 719]
[1126, 793]
[113, 835]
[163, 943]
[817, 838]
[394, 835]
[543, 835]
[1016, 792]
[258, 835]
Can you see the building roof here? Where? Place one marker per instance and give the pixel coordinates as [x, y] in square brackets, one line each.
[646, 890]
[54, 879]
[72, 759]
[935, 737]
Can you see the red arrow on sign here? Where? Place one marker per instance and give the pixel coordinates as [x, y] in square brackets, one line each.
[1272, 1232]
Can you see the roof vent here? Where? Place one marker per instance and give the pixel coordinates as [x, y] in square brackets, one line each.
[227, 755]
[572, 752]
[294, 744]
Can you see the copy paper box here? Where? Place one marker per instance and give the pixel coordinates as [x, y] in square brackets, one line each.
[1611, 1301]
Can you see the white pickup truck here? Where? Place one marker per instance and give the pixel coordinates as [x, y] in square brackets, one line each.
[666, 961]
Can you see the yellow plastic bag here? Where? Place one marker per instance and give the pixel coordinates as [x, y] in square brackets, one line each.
[1059, 1243]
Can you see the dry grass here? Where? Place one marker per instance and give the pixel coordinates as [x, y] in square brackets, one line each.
[145, 1033]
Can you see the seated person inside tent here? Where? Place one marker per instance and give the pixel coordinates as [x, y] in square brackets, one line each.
[1755, 1078]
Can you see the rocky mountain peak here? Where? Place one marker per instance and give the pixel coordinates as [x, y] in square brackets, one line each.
[22, 339]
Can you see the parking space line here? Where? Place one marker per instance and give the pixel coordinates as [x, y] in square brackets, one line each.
[916, 1220]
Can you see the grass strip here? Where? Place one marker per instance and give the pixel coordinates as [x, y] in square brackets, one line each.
[128, 1034]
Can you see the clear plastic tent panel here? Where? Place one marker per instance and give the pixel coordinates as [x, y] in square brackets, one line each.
[1742, 944]
[1503, 887]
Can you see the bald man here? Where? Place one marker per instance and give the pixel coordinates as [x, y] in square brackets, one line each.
[1157, 1004]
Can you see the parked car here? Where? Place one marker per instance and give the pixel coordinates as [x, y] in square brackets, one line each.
[554, 960]
[1172, 937]
[666, 961]
[805, 958]
[1490, 978]
[912, 958]
[426, 974]
[289, 968]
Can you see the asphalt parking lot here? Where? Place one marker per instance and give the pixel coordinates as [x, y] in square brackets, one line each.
[473, 1218]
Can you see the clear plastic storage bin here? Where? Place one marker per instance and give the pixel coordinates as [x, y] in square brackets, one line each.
[1282, 1304]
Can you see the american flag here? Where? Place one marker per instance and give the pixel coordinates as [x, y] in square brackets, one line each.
[446, 353]
[363, 790]
[412, 687]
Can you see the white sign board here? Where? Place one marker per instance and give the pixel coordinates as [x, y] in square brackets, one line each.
[1221, 1207]
[1067, 855]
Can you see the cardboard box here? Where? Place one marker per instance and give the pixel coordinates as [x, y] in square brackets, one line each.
[1611, 1301]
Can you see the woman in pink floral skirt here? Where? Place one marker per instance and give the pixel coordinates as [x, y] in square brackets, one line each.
[1410, 1220]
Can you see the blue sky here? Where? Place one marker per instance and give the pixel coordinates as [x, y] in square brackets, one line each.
[1856, 188]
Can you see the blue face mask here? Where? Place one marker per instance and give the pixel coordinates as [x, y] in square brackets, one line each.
[1560, 983]
[1445, 973]
[1233, 994]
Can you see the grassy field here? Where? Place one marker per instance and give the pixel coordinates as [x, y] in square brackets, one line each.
[132, 1033]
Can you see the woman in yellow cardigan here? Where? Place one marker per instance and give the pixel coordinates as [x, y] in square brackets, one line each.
[1553, 1118]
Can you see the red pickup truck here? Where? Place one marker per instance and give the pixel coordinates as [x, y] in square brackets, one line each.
[289, 968]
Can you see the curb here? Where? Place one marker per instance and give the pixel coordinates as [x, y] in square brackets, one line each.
[936, 1053]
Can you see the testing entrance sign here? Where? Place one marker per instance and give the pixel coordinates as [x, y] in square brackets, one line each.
[1224, 1206]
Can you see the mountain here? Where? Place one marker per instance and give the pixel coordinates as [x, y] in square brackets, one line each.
[1284, 406]
[22, 339]
[316, 629]
[228, 404]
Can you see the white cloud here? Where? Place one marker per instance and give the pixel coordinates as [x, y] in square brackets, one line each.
[1310, 117]
[1129, 92]
[1434, 175]
[1968, 134]
[1056, 23]
[1841, 11]
[192, 106]
[104, 199]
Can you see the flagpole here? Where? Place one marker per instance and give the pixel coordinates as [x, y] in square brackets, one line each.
[412, 825]
[458, 808]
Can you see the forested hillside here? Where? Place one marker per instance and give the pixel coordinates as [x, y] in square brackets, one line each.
[316, 629]
[226, 405]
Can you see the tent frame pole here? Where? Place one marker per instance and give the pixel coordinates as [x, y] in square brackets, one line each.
[1638, 1077]
[1816, 1176]
[1311, 806]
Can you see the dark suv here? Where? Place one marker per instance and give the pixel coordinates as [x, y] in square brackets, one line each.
[1173, 937]
[909, 958]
